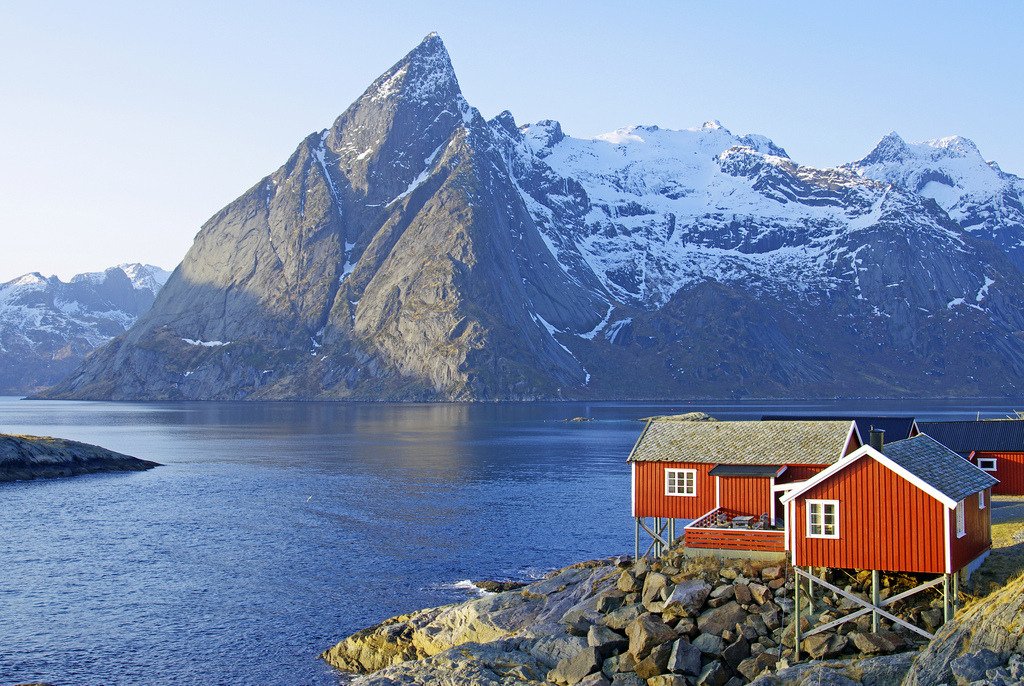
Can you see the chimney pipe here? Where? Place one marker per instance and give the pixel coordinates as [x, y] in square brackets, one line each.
[877, 440]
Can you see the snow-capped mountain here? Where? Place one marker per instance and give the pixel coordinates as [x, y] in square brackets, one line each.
[414, 250]
[47, 326]
[975, 193]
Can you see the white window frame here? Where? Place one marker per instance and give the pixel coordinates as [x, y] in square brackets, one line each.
[809, 506]
[994, 461]
[961, 520]
[678, 478]
[981, 500]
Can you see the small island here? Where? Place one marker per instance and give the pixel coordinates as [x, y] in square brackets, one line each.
[43, 457]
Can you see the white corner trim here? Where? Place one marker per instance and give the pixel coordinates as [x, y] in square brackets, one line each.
[945, 535]
[632, 488]
[718, 491]
[961, 517]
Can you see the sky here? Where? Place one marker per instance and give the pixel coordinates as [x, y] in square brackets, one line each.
[125, 126]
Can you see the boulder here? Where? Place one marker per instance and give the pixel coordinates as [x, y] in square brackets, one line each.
[736, 652]
[655, 663]
[628, 582]
[645, 632]
[594, 680]
[726, 592]
[571, 670]
[771, 573]
[627, 679]
[824, 645]
[753, 666]
[609, 601]
[742, 594]
[871, 644]
[653, 584]
[689, 596]
[713, 674]
[709, 644]
[761, 593]
[667, 680]
[605, 640]
[685, 658]
[971, 667]
[720, 619]
[620, 619]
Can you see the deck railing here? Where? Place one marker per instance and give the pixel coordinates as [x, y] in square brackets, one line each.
[702, 533]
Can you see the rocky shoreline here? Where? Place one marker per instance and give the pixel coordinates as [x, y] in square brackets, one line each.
[43, 457]
[679, 621]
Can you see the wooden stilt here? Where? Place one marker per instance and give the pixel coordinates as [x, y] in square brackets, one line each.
[947, 610]
[636, 544]
[876, 597]
[796, 619]
[955, 598]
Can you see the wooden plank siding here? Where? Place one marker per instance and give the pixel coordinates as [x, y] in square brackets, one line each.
[736, 539]
[650, 499]
[1009, 471]
[885, 523]
[978, 524]
[800, 472]
[748, 495]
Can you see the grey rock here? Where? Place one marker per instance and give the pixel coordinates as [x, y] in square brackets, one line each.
[685, 658]
[627, 679]
[709, 644]
[572, 670]
[606, 640]
[971, 667]
[713, 674]
[688, 596]
[647, 631]
[721, 619]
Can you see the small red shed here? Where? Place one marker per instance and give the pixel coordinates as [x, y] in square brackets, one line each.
[916, 506]
[994, 445]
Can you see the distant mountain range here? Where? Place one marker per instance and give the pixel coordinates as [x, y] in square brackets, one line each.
[416, 251]
[47, 326]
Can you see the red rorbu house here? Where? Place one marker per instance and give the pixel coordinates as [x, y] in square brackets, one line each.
[913, 506]
[996, 446]
[727, 478]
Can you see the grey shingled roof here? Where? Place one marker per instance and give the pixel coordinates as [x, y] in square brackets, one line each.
[763, 443]
[939, 467]
[986, 435]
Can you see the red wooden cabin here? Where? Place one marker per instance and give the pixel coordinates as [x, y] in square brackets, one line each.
[996, 446]
[727, 477]
[914, 506]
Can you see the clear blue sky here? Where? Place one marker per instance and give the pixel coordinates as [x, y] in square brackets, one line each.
[123, 128]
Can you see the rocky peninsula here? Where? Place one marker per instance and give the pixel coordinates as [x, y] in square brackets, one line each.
[679, 621]
[39, 457]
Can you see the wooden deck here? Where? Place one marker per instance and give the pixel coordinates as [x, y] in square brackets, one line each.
[704, 532]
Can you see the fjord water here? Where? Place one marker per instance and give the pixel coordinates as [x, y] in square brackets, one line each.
[275, 529]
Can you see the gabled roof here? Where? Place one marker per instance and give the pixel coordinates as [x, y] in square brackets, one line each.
[895, 428]
[924, 462]
[752, 443]
[969, 436]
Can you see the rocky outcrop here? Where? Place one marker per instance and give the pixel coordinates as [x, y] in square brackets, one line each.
[668, 622]
[37, 457]
[983, 645]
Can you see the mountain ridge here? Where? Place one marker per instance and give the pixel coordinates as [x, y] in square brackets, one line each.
[415, 251]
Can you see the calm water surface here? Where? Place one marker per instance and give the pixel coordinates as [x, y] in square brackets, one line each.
[275, 529]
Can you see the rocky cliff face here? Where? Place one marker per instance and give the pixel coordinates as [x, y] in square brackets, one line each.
[47, 326]
[415, 251]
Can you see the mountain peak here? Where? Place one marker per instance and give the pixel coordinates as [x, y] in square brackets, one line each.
[891, 147]
[958, 145]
